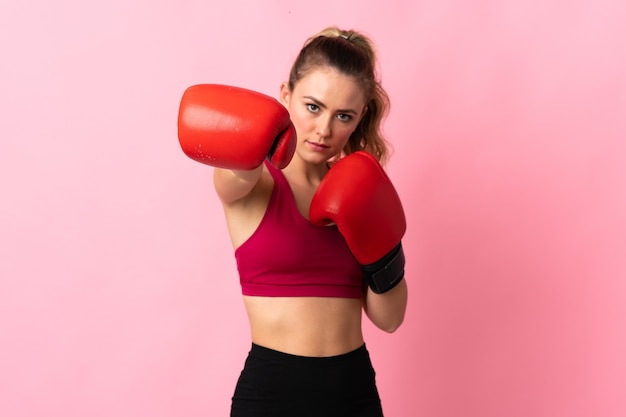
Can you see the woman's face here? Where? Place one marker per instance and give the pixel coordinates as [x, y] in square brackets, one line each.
[325, 107]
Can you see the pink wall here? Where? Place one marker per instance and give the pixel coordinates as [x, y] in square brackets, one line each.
[118, 291]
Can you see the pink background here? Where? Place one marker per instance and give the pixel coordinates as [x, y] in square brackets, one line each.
[119, 294]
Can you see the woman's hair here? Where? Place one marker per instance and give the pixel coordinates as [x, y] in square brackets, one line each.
[352, 54]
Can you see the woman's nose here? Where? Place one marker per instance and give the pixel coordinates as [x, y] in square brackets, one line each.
[323, 127]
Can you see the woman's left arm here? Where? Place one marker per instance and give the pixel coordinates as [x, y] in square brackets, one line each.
[386, 310]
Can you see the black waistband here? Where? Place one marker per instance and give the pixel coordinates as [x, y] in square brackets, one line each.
[262, 352]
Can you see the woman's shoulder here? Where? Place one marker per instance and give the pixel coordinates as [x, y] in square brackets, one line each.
[244, 215]
[237, 187]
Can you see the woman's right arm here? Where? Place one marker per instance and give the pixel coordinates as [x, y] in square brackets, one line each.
[235, 130]
[235, 185]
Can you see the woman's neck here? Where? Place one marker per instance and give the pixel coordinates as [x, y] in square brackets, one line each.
[304, 172]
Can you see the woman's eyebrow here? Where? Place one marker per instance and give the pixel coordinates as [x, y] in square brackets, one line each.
[322, 105]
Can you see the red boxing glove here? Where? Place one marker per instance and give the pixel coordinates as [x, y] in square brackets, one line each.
[234, 128]
[357, 195]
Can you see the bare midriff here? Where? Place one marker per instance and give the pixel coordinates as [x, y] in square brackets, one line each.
[306, 326]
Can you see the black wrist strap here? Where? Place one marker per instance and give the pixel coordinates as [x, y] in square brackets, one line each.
[386, 273]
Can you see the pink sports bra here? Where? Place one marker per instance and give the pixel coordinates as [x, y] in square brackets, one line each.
[288, 256]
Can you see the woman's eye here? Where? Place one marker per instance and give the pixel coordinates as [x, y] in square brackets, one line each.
[313, 108]
[344, 117]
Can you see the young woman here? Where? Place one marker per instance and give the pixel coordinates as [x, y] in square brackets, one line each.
[314, 222]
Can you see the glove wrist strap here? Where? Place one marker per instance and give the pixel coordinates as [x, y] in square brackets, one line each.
[386, 273]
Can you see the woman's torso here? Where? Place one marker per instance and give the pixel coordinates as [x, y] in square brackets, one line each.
[307, 326]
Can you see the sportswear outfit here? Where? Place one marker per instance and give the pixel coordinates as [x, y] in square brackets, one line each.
[313, 261]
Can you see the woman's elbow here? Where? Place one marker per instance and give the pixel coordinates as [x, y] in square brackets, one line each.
[388, 323]
[390, 326]
[387, 310]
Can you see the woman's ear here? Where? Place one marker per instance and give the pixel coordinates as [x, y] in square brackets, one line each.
[285, 94]
[363, 113]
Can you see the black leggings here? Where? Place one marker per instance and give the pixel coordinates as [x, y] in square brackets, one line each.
[278, 384]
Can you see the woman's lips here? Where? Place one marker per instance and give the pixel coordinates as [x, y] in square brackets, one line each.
[318, 147]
